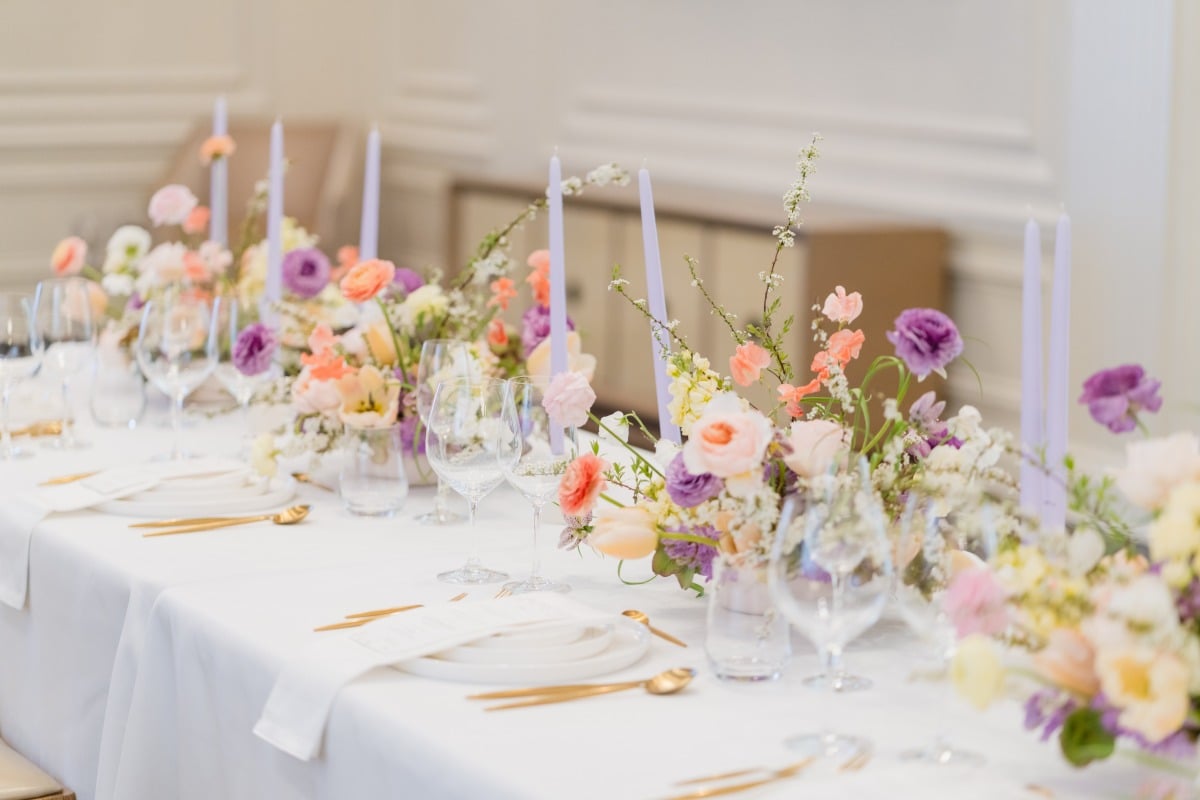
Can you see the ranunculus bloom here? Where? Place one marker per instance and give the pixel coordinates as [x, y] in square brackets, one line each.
[747, 363]
[68, 256]
[254, 349]
[1069, 661]
[171, 205]
[539, 278]
[497, 334]
[582, 484]
[1115, 396]
[197, 220]
[688, 490]
[841, 307]
[214, 147]
[367, 279]
[976, 670]
[926, 340]
[503, 291]
[1154, 467]
[976, 602]
[568, 399]
[792, 395]
[305, 271]
[409, 279]
[1150, 687]
[727, 441]
[815, 444]
[627, 532]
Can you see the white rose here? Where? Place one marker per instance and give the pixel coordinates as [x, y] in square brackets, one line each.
[815, 445]
[1156, 466]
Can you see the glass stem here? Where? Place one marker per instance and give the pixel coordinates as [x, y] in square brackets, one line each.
[6, 446]
[535, 569]
[473, 545]
[835, 671]
[68, 422]
[177, 425]
[439, 501]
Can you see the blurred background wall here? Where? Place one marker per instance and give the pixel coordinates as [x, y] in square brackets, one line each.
[965, 114]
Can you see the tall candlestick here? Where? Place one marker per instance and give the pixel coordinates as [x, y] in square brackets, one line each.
[1033, 407]
[558, 288]
[274, 284]
[1058, 378]
[368, 238]
[218, 201]
[656, 295]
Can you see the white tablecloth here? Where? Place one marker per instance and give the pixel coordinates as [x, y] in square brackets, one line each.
[139, 667]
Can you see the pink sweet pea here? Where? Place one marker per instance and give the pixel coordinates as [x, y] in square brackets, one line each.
[748, 362]
[841, 307]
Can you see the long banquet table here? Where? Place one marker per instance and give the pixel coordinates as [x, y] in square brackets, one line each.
[138, 668]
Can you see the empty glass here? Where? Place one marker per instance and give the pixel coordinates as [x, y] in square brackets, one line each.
[830, 574]
[530, 464]
[20, 358]
[64, 319]
[747, 638]
[177, 350]
[462, 442]
[372, 481]
[440, 359]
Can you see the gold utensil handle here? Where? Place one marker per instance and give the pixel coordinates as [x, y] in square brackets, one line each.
[60, 480]
[174, 523]
[538, 691]
[564, 697]
[207, 526]
[718, 791]
[358, 623]
[380, 612]
[720, 776]
[667, 636]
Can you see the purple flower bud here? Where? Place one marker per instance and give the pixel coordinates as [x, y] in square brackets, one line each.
[690, 490]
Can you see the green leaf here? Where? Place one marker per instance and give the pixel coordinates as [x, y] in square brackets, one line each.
[1084, 739]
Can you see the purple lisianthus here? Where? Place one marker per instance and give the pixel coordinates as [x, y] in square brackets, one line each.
[535, 327]
[926, 339]
[408, 280]
[1115, 396]
[693, 554]
[690, 490]
[254, 349]
[305, 271]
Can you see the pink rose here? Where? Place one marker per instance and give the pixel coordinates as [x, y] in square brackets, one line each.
[171, 205]
[627, 532]
[815, 444]
[748, 362]
[976, 602]
[841, 307]
[68, 256]
[568, 399]
[367, 279]
[727, 443]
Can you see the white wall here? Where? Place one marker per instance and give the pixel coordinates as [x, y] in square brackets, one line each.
[964, 112]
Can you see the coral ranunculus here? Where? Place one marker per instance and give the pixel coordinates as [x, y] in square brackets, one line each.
[748, 362]
[366, 279]
[582, 485]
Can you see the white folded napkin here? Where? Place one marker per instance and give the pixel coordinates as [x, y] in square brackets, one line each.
[21, 513]
[296, 711]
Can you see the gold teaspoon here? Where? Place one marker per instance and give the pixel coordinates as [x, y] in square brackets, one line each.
[289, 516]
[640, 616]
[668, 682]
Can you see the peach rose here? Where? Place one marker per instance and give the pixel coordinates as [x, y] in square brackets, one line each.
[748, 362]
[569, 398]
[539, 279]
[197, 220]
[623, 532]
[367, 279]
[582, 485]
[1069, 661]
[497, 334]
[727, 442]
[841, 307]
[171, 205]
[68, 256]
[215, 147]
[815, 444]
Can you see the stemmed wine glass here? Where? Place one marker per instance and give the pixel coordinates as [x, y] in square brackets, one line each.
[530, 464]
[241, 377]
[440, 359]
[830, 574]
[20, 357]
[463, 442]
[936, 559]
[177, 350]
[64, 318]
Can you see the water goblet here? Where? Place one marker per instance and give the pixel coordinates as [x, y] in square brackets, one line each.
[531, 466]
[177, 350]
[440, 359]
[245, 363]
[68, 333]
[20, 358]
[463, 443]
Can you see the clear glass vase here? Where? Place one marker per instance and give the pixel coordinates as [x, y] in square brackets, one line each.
[118, 392]
[748, 639]
[372, 481]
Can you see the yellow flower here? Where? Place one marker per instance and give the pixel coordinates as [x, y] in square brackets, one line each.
[538, 363]
[368, 399]
[1150, 687]
[977, 671]
[380, 343]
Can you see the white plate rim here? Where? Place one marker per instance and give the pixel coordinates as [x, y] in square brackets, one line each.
[278, 495]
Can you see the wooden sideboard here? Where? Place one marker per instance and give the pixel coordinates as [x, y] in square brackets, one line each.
[894, 265]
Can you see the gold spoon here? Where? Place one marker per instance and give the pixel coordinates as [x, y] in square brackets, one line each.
[304, 477]
[778, 775]
[668, 682]
[641, 617]
[289, 516]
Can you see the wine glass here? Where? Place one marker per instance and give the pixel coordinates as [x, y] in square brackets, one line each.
[939, 560]
[531, 466]
[463, 443]
[830, 573]
[177, 350]
[64, 319]
[20, 358]
[241, 370]
[440, 359]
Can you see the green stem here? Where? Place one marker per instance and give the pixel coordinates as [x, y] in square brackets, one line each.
[401, 354]
[687, 537]
[626, 445]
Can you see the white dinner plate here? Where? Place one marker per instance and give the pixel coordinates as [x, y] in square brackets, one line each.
[629, 643]
[588, 642]
[278, 493]
[539, 637]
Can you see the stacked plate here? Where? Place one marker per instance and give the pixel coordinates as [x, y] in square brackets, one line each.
[211, 486]
[562, 651]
